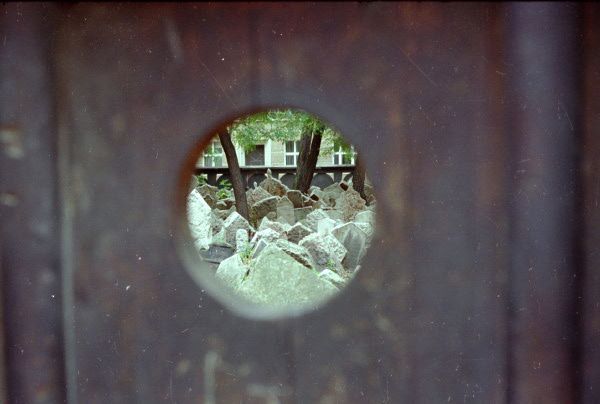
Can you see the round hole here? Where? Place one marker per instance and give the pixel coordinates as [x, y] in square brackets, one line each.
[280, 213]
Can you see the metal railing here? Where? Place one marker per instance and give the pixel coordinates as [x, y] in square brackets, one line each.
[324, 175]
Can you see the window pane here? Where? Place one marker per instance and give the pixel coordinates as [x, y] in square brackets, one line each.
[289, 147]
[218, 161]
[297, 146]
[346, 159]
[336, 159]
[256, 157]
[207, 161]
[289, 161]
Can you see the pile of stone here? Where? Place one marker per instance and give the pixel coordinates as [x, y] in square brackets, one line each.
[295, 249]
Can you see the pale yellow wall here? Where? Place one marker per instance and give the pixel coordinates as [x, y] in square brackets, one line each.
[326, 144]
[277, 154]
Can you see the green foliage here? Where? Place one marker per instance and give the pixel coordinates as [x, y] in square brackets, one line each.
[278, 125]
[225, 189]
[246, 253]
[330, 265]
[201, 180]
[226, 184]
[223, 194]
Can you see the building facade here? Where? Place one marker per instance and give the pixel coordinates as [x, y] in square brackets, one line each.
[272, 154]
[333, 164]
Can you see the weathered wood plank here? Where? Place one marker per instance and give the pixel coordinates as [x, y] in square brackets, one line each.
[544, 105]
[3, 393]
[139, 87]
[590, 303]
[414, 88]
[419, 89]
[31, 279]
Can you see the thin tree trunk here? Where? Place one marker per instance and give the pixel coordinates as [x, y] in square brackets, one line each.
[308, 155]
[237, 181]
[358, 178]
[302, 159]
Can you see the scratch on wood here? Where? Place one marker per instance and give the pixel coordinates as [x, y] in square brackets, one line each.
[174, 41]
[418, 68]
[218, 84]
[561, 106]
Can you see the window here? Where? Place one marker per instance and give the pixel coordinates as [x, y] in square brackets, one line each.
[213, 155]
[343, 158]
[291, 152]
[256, 157]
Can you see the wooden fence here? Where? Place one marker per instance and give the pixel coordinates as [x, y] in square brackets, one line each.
[478, 124]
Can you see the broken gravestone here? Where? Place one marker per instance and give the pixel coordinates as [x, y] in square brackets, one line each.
[232, 271]
[297, 232]
[297, 252]
[326, 250]
[269, 235]
[301, 213]
[312, 219]
[366, 216]
[199, 220]
[332, 277]
[241, 239]
[325, 225]
[254, 195]
[295, 197]
[259, 247]
[232, 224]
[273, 186]
[355, 242]
[208, 190]
[285, 211]
[277, 279]
[267, 223]
[224, 214]
[262, 207]
[349, 203]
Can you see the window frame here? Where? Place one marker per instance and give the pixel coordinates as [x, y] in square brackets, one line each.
[265, 162]
[212, 155]
[293, 154]
[340, 155]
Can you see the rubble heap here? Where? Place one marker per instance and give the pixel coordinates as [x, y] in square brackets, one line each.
[295, 249]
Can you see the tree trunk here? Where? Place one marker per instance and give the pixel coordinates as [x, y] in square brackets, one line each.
[302, 158]
[310, 146]
[358, 178]
[237, 181]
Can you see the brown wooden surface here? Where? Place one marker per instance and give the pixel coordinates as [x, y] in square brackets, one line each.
[404, 83]
[3, 392]
[589, 299]
[445, 308]
[145, 330]
[544, 112]
[30, 233]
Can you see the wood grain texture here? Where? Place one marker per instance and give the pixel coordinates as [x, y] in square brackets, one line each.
[590, 296]
[408, 85]
[467, 119]
[31, 279]
[140, 88]
[544, 107]
[403, 330]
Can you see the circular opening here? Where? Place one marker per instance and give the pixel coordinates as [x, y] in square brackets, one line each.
[280, 212]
